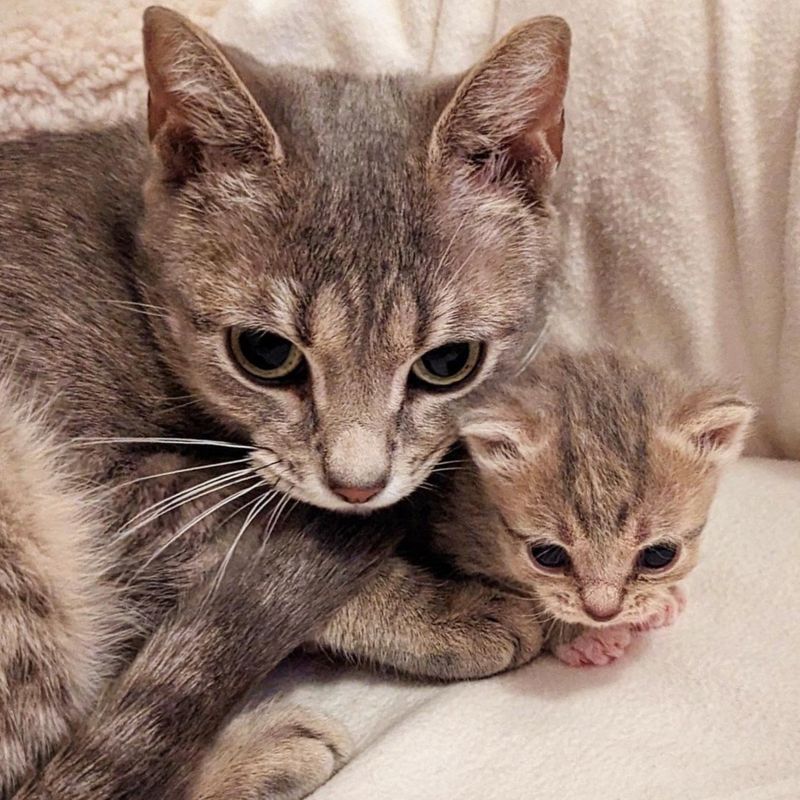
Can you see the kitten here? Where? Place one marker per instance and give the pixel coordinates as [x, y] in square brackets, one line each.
[590, 482]
[276, 288]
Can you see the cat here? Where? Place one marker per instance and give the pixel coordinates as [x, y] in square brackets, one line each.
[275, 289]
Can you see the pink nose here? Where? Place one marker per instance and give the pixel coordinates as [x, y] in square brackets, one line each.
[358, 494]
[601, 613]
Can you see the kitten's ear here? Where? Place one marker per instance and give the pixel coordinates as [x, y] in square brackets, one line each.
[506, 119]
[197, 102]
[714, 426]
[500, 443]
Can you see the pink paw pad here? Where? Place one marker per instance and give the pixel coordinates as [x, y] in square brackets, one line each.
[667, 614]
[596, 647]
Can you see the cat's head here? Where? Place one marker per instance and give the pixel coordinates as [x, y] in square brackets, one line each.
[602, 471]
[342, 258]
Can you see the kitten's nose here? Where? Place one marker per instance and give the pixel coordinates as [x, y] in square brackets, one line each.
[601, 614]
[358, 494]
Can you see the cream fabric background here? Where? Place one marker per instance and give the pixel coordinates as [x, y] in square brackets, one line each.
[680, 200]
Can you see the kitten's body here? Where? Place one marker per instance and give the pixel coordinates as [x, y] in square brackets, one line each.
[351, 223]
[597, 454]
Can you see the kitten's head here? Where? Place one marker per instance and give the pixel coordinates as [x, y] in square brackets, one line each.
[602, 471]
[341, 258]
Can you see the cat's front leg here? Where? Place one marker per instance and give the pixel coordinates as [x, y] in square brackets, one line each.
[408, 620]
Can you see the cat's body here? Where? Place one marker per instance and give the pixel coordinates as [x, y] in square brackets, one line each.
[154, 281]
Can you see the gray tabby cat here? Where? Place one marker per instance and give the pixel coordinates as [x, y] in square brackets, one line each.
[274, 290]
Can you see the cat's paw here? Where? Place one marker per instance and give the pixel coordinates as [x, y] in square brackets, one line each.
[595, 646]
[668, 612]
[272, 752]
[483, 632]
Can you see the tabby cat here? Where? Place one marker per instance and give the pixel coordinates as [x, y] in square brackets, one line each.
[272, 290]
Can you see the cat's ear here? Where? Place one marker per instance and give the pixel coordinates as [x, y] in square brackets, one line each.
[714, 425]
[501, 442]
[197, 104]
[506, 119]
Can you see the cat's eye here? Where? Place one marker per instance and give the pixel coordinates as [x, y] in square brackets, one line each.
[447, 366]
[550, 556]
[657, 556]
[266, 356]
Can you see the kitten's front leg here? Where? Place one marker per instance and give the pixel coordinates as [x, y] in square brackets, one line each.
[581, 646]
[450, 630]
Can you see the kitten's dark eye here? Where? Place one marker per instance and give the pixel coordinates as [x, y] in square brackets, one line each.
[448, 365]
[657, 556]
[266, 356]
[550, 556]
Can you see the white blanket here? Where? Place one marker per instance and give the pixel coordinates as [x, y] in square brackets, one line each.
[706, 710]
[680, 191]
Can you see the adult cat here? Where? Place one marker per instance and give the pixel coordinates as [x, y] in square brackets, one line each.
[309, 265]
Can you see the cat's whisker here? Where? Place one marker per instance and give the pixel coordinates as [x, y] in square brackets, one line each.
[91, 440]
[451, 242]
[273, 520]
[189, 525]
[146, 309]
[534, 348]
[263, 501]
[174, 501]
[179, 471]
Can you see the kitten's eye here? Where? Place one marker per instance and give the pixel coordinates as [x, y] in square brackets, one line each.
[550, 556]
[448, 365]
[657, 556]
[266, 356]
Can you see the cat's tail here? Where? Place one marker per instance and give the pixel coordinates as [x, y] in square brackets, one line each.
[55, 613]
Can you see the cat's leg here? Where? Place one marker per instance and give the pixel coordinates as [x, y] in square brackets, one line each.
[271, 751]
[157, 721]
[57, 616]
[450, 630]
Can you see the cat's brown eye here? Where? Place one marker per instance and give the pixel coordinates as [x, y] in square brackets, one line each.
[266, 356]
[447, 366]
[657, 556]
[550, 556]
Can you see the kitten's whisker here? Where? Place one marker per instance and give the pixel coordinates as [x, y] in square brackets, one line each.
[199, 518]
[179, 471]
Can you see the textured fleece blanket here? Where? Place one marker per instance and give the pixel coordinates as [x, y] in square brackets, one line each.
[680, 188]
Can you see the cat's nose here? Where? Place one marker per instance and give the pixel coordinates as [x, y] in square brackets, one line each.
[358, 494]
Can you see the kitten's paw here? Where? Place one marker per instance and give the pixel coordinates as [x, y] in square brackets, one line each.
[272, 752]
[672, 606]
[595, 646]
